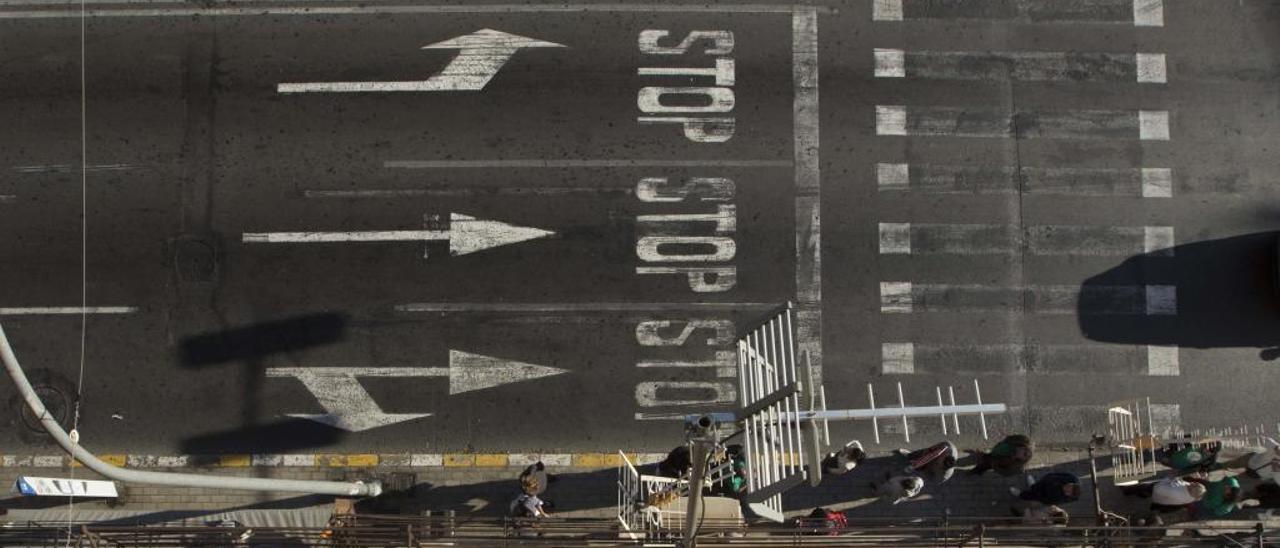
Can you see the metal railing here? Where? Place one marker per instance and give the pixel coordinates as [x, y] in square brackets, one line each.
[421, 531]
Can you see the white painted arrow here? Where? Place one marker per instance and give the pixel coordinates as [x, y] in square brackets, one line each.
[350, 407]
[482, 54]
[465, 235]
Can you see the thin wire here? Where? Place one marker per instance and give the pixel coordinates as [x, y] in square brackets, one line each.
[84, 257]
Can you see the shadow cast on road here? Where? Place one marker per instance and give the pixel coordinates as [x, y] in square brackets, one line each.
[1226, 296]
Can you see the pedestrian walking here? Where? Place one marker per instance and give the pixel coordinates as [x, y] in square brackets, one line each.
[1263, 463]
[1008, 457]
[536, 474]
[936, 462]
[844, 460]
[1051, 489]
[1185, 456]
[898, 488]
[1221, 498]
[677, 463]
[1167, 495]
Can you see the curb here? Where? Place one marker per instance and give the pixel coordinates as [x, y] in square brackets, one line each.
[340, 460]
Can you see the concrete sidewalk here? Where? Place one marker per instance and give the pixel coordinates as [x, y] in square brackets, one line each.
[586, 486]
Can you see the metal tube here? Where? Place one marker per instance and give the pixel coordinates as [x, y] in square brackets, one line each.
[894, 412]
[941, 416]
[875, 424]
[977, 392]
[955, 419]
[902, 404]
[355, 489]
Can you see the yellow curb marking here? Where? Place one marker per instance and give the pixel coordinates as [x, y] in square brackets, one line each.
[493, 459]
[332, 461]
[362, 460]
[234, 461]
[459, 459]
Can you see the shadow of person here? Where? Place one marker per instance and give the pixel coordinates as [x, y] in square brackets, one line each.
[1209, 294]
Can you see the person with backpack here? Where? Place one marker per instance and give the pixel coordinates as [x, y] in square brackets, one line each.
[1009, 457]
[1186, 457]
[935, 462]
[844, 460]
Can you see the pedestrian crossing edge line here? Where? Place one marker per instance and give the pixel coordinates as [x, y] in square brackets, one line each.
[340, 460]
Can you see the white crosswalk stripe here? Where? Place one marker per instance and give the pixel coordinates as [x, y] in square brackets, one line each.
[1000, 239]
[993, 227]
[906, 358]
[994, 123]
[1147, 182]
[1139, 13]
[1132, 300]
[1030, 66]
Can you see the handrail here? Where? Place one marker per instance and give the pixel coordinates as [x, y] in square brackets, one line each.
[72, 447]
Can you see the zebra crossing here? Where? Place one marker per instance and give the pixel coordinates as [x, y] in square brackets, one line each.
[913, 350]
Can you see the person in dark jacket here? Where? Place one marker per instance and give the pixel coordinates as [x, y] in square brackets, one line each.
[1052, 489]
[1007, 458]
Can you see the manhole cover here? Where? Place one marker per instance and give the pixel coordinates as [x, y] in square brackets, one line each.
[56, 402]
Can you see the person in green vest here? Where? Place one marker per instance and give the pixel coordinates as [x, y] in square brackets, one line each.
[1221, 498]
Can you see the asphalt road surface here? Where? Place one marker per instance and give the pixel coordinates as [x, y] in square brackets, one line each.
[407, 227]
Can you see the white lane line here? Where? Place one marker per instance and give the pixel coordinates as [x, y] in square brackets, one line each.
[807, 183]
[1157, 182]
[886, 10]
[70, 168]
[905, 358]
[182, 11]
[1162, 361]
[1027, 66]
[1162, 300]
[896, 298]
[1005, 239]
[895, 238]
[366, 236]
[1064, 181]
[1158, 241]
[891, 120]
[1148, 13]
[897, 359]
[1153, 125]
[891, 63]
[64, 310]
[578, 307]
[422, 192]
[1130, 300]
[988, 122]
[506, 164]
[1151, 68]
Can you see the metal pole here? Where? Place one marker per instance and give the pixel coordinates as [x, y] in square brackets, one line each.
[702, 438]
[356, 489]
